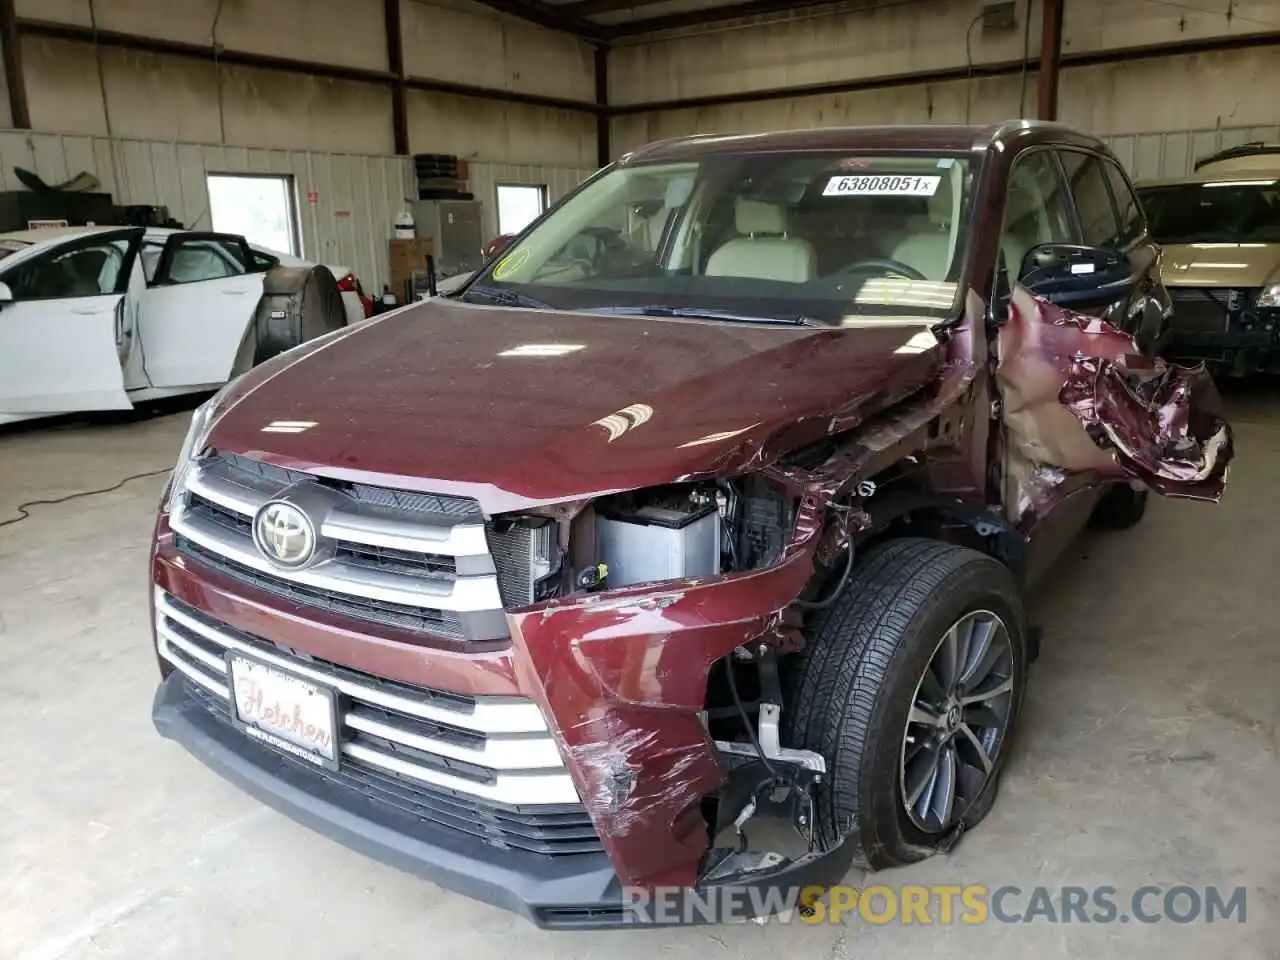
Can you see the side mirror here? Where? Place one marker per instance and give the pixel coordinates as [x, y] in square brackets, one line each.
[497, 245]
[6, 295]
[1068, 273]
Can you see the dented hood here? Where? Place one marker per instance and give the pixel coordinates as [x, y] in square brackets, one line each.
[518, 408]
[1224, 265]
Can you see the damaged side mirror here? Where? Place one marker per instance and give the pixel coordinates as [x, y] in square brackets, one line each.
[1073, 275]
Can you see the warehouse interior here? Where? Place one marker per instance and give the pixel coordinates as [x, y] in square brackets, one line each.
[1149, 751]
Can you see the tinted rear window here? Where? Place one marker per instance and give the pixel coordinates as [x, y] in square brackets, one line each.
[1214, 212]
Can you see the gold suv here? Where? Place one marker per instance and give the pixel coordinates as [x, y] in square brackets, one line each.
[1220, 231]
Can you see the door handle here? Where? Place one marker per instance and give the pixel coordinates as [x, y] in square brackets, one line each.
[234, 293]
[87, 311]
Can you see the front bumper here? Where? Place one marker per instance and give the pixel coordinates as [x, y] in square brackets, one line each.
[553, 892]
[535, 886]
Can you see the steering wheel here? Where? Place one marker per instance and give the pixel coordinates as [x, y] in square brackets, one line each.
[884, 265]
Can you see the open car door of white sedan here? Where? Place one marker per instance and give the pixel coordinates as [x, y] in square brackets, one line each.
[198, 303]
[66, 324]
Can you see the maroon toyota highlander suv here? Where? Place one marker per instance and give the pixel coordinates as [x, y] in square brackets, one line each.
[711, 501]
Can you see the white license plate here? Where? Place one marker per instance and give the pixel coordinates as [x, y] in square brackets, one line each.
[284, 711]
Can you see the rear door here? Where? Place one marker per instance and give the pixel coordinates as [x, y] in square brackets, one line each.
[68, 330]
[199, 300]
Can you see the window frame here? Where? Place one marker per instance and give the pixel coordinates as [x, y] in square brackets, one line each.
[544, 199]
[1069, 207]
[133, 236]
[176, 240]
[1144, 226]
[1097, 158]
[292, 212]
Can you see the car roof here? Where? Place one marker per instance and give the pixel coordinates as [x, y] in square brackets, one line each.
[54, 233]
[1252, 175]
[901, 137]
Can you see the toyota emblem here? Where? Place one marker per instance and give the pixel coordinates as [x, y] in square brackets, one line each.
[284, 534]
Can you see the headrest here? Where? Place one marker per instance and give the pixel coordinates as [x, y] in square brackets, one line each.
[678, 191]
[753, 217]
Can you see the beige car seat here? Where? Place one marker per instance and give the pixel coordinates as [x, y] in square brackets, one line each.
[930, 248]
[763, 250]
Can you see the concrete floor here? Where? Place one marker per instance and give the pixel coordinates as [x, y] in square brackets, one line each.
[1148, 755]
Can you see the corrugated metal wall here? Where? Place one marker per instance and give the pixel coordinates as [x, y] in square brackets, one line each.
[1156, 156]
[485, 178]
[357, 197]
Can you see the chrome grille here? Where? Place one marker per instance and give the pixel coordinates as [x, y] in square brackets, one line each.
[430, 504]
[429, 749]
[417, 561]
[401, 616]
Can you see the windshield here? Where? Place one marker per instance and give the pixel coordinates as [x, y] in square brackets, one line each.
[815, 236]
[1214, 212]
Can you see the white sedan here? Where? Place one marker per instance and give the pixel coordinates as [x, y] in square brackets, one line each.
[101, 318]
[153, 242]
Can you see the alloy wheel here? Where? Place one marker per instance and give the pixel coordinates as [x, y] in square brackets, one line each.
[959, 718]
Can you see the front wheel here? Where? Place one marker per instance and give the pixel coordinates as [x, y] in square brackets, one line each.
[911, 690]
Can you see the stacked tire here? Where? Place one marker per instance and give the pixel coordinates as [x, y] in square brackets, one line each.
[439, 177]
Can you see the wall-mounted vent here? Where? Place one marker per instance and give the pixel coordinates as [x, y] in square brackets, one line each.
[999, 16]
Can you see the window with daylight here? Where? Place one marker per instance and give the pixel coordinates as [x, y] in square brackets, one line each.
[259, 207]
[519, 204]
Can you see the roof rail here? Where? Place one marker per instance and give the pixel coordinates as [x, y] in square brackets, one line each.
[1250, 149]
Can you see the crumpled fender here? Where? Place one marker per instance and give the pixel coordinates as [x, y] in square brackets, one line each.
[623, 676]
[1079, 396]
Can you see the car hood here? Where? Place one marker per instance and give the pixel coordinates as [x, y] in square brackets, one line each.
[1224, 265]
[518, 408]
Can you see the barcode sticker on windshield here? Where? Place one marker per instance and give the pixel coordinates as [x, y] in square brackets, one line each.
[881, 185]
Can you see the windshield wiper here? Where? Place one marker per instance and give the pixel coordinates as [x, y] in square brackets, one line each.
[507, 298]
[693, 313]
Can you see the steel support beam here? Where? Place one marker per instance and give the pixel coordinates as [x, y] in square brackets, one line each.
[395, 62]
[385, 78]
[604, 153]
[1050, 59]
[1006, 68]
[15, 80]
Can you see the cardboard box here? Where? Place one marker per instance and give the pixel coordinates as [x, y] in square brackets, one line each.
[407, 257]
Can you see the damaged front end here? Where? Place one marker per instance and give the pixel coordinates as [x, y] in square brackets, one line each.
[654, 681]
[662, 655]
[660, 649]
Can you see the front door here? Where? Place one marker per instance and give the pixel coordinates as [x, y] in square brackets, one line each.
[1110, 217]
[1059, 370]
[67, 331]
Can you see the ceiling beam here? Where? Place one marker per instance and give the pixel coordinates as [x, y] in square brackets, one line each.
[714, 15]
[593, 8]
[545, 15]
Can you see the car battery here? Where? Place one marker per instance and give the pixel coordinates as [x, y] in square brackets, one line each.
[659, 543]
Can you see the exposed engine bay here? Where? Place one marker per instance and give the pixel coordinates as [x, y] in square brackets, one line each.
[676, 532]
